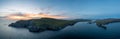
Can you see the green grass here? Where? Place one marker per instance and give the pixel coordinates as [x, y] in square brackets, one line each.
[52, 23]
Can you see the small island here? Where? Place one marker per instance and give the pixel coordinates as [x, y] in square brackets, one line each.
[43, 24]
[106, 21]
[102, 22]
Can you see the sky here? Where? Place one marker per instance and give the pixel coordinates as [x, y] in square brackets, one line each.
[72, 8]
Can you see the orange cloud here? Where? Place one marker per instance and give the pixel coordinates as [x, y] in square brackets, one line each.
[28, 16]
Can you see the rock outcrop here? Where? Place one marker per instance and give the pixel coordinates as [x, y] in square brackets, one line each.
[39, 25]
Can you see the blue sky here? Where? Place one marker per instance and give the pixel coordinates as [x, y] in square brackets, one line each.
[74, 8]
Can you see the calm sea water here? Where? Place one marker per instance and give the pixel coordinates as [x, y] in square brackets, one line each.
[78, 31]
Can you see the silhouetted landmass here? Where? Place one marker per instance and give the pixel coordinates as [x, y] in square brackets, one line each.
[43, 24]
[106, 21]
[103, 22]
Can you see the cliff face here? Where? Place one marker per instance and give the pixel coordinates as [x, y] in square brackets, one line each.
[20, 24]
[38, 25]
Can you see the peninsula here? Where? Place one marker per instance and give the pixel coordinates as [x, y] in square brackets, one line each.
[43, 24]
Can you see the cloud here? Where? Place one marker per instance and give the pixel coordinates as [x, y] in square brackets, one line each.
[27, 16]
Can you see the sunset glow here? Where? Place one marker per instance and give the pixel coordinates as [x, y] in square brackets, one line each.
[28, 16]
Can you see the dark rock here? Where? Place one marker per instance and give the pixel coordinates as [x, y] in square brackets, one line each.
[101, 23]
[34, 29]
[39, 25]
[21, 24]
[106, 21]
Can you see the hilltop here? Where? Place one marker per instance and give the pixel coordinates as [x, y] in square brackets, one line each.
[43, 24]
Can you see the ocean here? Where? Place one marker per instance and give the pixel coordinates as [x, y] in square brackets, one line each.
[81, 30]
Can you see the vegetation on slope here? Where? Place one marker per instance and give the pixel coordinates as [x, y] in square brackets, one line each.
[37, 25]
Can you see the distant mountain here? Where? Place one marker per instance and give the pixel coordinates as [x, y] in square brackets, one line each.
[2, 16]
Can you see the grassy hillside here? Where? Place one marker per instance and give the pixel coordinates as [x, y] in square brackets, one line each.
[52, 23]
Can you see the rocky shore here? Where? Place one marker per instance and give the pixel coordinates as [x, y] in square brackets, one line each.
[106, 21]
[43, 24]
[103, 22]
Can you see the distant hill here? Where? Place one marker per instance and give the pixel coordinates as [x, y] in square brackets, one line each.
[103, 22]
[2, 17]
[37, 25]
